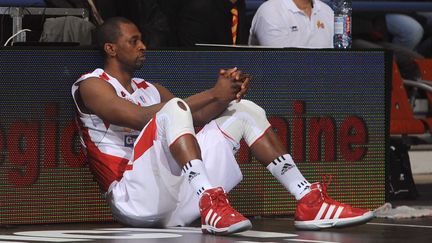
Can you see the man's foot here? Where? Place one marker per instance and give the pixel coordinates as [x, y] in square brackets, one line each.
[317, 210]
[217, 215]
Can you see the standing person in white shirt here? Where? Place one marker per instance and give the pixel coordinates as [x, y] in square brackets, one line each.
[293, 23]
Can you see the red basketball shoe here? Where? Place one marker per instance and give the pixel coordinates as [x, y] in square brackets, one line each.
[317, 211]
[217, 215]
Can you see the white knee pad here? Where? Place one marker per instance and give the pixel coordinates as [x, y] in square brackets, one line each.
[243, 119]
[174, 120]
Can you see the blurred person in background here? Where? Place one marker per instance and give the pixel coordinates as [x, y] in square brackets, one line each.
[293, 23]
[146, 14]
[370, 30]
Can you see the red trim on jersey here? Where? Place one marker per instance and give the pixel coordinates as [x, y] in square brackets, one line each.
[146, 139]
[105, 168]
[141, 85]
[104, 76]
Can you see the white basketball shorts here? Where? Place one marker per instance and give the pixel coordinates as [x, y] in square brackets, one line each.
[154, 193]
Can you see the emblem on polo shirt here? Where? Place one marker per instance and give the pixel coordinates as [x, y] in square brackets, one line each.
[320, 25]
[294, 28]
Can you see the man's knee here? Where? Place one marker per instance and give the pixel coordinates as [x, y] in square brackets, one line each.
[249, 107]
[243, 119]
[175, 119]
[177, 111]
[176, 104]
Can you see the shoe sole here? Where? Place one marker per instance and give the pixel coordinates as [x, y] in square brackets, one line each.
[235, 228]
[333, 223]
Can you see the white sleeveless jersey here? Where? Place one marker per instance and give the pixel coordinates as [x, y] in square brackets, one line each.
[109, 147]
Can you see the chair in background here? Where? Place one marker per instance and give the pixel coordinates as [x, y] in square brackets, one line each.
[405, 130]
[425, 66]
[402, 120]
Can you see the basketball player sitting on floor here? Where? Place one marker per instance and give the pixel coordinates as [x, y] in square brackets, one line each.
[170, 176]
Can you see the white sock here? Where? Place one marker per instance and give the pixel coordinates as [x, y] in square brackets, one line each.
[197, 176]
[287, 173]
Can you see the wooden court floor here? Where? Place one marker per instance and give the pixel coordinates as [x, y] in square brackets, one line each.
[264, 230]
[269, 230]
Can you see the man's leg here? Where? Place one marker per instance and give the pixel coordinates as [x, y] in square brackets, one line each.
[248, 121]
[217, 216]
[406, 31]
[315, 209]
[223, 169]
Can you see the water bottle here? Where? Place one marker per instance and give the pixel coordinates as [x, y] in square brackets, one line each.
[342, 24]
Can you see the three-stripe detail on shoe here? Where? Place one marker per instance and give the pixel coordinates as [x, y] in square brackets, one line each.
[212, 218]
[329, 211]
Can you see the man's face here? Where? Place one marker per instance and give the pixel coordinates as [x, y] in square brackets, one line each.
[130, 49]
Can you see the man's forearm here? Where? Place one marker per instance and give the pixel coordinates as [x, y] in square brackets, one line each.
[205, 106]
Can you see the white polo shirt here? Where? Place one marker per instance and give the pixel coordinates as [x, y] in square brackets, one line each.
[280, 23]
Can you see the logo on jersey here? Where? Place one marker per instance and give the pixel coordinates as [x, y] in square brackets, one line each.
[286, 167]
[294, 28]
[192, 175]
[129, 140]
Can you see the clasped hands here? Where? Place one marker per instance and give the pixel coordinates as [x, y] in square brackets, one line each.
[233, 84]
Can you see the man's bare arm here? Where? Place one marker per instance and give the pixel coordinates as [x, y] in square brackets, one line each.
[207, 105]
[99, 98]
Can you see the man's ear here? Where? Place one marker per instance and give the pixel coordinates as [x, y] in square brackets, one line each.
[110, 49]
